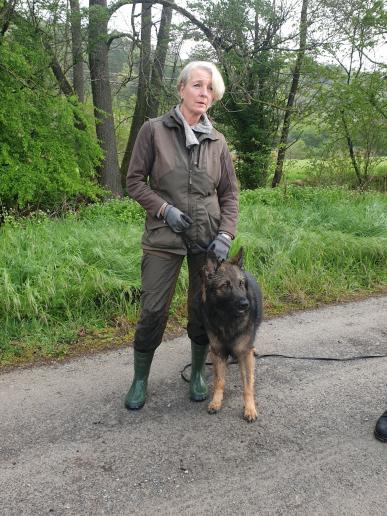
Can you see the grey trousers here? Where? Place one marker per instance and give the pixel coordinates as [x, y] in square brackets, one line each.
[159, 275]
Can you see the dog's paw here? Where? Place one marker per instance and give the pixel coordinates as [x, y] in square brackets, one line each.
[213, 407]
[250, 415]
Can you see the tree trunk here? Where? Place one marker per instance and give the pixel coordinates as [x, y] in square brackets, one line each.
[141, 109]
[109, 173]
[293, 90]
[64, 85]
[6, 11]
[76, 47]
[351, 151]
[156, 82]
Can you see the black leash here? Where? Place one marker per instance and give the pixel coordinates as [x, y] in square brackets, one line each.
[326, 359]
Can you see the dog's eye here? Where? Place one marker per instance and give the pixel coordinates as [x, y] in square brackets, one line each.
[242, 283]
[225, 285]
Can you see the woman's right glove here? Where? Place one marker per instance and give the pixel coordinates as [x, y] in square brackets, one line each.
[220, 246]
[176, 219]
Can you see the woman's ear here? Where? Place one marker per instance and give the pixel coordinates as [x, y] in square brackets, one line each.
[181, 92]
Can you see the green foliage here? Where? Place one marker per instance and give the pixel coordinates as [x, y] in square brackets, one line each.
[82, 271]
[252, 169]
[44, 159]
[310, 138]
[381, 167]
[123, 114]
[294, 170]
[352, 111]
[126, 211]
[60, 275]
[252, 73]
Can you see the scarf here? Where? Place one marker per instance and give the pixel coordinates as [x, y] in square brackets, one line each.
[203, 126]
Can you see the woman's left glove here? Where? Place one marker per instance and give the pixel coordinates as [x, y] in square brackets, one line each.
[220, 246]
[176, 219]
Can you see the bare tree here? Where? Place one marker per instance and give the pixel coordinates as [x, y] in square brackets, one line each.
[292, 94]
[151, 74]
[102, 97]
[76, 47]
[157, 75]
[141, 108]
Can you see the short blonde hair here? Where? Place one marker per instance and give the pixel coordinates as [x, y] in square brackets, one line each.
[217, 80]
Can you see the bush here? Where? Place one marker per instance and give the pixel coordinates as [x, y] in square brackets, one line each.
[252, 170]
[44, 159]
[116, 210]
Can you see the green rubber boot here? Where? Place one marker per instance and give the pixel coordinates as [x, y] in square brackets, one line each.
[135, 399]
[198, 390]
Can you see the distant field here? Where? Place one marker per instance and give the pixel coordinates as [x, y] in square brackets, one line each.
[306, 170]
[72, 284]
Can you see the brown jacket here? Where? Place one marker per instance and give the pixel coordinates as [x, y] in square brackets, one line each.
[200, 182]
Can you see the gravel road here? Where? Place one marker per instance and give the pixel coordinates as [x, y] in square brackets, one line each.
[69, 447]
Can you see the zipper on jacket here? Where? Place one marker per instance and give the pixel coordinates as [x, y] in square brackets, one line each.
[190, 166]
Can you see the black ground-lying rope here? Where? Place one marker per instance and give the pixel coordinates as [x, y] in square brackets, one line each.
[326, 359]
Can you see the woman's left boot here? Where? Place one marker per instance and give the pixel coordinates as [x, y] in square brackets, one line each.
[198, 390]
[135, 399]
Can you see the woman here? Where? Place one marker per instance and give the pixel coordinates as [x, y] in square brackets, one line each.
[181, 172]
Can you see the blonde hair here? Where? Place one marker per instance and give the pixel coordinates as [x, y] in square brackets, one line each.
[217, 80]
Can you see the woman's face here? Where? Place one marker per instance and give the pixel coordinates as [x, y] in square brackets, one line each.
[196, 95]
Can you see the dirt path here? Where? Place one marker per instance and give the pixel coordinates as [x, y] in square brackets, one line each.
[68, 446]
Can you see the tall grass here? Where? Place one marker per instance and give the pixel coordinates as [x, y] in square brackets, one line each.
[59, 277]
[313, 246]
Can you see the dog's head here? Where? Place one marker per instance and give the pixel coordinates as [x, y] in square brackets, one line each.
[224, 284]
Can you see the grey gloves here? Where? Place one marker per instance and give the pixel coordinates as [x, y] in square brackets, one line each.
[176, 219]
[220, 246]
[179, 222]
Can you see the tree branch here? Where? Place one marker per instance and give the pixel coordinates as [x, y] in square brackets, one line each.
[214, 40]
[117, 35]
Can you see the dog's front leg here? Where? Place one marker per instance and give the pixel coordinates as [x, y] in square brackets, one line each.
[219, 365]
[247, 366]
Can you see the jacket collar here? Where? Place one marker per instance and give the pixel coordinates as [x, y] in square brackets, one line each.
[171, 120]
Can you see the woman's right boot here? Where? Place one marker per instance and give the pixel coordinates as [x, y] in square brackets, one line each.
[135, 399]
[198, 389]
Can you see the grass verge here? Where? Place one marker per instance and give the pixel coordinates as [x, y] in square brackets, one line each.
[71, 285]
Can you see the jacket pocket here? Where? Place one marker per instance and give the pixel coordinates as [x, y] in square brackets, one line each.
[207, 221]
[159, 235]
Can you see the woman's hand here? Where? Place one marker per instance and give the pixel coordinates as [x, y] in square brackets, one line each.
[220, 246]
[176, 219]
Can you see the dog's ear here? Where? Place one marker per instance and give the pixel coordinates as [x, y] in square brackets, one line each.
[211, 265]
[212, 262]
[238, 258]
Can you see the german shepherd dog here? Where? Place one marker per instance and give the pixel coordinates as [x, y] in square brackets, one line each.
[231, 303]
